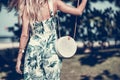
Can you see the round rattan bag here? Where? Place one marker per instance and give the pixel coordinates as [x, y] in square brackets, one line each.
[66, 47]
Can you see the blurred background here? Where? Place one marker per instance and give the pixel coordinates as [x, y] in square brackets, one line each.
[97, 37]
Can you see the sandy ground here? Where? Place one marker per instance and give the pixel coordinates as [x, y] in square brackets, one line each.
[85, 66]
[73, 69]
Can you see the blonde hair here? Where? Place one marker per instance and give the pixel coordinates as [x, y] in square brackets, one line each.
[32, 8]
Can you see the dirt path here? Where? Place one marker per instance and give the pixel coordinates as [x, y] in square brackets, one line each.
[74, 70]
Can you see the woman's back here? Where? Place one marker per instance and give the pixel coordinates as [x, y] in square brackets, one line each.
[47, 22]
[44, 12]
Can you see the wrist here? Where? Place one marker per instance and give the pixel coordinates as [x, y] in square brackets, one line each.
[21, 50]
[19, 56]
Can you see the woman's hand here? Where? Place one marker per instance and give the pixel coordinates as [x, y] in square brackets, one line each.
[18, 70]
[18, 64]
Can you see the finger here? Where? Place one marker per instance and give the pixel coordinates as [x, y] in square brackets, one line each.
[18, 70]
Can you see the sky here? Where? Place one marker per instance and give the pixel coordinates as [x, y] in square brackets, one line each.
[9, 19]
[101, 6]
[6, 20]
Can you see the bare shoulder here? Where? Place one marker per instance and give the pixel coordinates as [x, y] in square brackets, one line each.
[58, 3]
[55, 4]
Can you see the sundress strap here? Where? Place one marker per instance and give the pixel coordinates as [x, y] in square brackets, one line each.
[50, 2]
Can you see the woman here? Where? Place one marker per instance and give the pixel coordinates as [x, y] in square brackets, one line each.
[41, 60]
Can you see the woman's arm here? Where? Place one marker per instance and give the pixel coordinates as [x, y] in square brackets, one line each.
[23, 40]
[25, 32]
[69, 9]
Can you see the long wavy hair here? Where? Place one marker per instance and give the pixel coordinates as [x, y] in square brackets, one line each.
[32, 7]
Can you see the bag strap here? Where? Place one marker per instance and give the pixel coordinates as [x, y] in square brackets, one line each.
[50, 4]
[76, 21]
[59, 34]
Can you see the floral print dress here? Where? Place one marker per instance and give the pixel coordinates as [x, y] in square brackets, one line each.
[41, 60]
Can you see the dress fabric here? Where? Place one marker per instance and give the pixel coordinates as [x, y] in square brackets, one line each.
[41, 61]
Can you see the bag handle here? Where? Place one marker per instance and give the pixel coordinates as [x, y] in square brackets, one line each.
[59, 34]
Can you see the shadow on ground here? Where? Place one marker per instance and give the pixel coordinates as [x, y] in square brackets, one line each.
[7, 65]
[83, 66]
[99, 56]
[102, 76]
[94, 58]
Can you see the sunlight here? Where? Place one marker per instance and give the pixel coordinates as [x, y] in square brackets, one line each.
[101, 6]
[9, 45]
